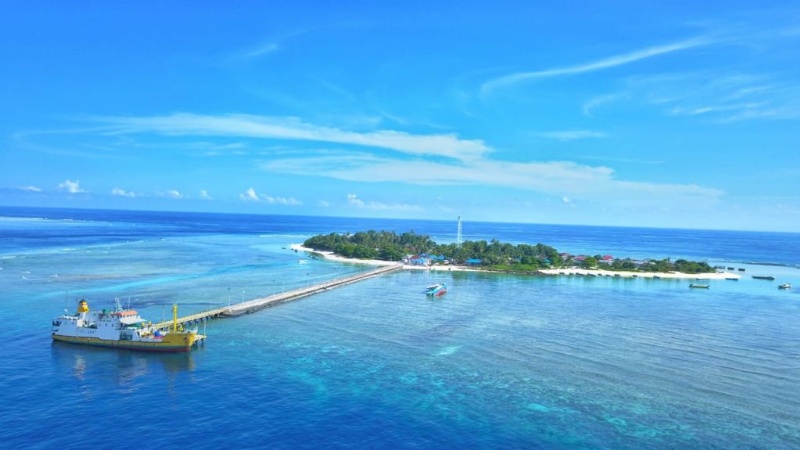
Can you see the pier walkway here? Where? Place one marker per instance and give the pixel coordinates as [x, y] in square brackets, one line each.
[258, 304]
[276, 299]
[199, 317]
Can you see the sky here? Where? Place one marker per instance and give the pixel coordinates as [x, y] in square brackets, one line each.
[666, 114]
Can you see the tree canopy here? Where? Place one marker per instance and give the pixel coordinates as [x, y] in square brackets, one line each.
[492, 255]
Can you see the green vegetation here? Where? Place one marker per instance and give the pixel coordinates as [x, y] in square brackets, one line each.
[383, 245]
[493, 255]
[627, 264]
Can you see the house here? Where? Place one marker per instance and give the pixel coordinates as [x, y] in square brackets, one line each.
[418, 260]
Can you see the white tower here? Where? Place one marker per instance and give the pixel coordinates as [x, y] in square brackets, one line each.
[458, 234]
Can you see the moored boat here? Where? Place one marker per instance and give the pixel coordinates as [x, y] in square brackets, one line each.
[785, 286]
[436, 290]
[699, 286]
[122, 328]
[763, 277]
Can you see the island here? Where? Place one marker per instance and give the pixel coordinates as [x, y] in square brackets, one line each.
[416, 251]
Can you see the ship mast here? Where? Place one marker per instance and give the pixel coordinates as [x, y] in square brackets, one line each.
[175, 317]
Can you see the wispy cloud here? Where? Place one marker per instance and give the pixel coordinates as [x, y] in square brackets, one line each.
[700, 110]
[260, 50]
[440, 159]
[719, 97]
[606, 63]
[205, 195]
[73, 187]
[555, 177]
[31, 188]
[267, 46]
[572, 135]
[250, 195]
[261, 127]
[354, 200]
[590, 105]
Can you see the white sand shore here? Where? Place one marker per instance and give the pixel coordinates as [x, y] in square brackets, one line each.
[377, 262]
[611, 273]
[563, 271]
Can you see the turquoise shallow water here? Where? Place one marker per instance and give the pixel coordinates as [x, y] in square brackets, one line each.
[499, 362]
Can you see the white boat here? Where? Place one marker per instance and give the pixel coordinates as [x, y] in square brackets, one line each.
[785, 286]
[122, 328]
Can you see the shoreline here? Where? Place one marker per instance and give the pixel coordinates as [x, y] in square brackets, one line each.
[614, 273]
[377, 262]
[551, 272]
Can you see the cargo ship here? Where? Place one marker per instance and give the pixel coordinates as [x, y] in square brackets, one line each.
[122, 328]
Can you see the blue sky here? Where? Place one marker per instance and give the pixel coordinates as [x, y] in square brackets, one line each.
[631, 113]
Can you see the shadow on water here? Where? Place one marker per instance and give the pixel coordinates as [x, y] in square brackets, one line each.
[122, 365]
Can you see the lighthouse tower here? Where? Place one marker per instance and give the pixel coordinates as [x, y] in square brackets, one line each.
[458, 233]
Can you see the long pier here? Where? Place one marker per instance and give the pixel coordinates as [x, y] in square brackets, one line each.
[258, 304]
[199, 317]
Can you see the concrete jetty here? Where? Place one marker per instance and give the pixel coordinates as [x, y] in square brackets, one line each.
[277, 299]
[194, 318]
[258, 304]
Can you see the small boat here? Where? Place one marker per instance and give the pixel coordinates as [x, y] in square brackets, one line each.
[785, 286]
[122, 328]
[699, 286]
[436, 290]
[763, 277]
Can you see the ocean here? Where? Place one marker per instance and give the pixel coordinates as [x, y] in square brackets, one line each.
[500, 361]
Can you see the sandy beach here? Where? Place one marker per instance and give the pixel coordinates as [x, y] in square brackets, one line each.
[555, 272]
[612, 273]
[377, 262]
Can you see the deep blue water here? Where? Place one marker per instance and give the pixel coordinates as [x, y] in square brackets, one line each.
[499, 362]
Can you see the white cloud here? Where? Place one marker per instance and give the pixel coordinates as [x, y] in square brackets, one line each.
[204, 195]
[355, 201]
[251, 196]
[606, 63]
[352, 199]
[281, 200]
[31, 188]
[261, 127]
[73, 187]
[174, 194]
[122, 193]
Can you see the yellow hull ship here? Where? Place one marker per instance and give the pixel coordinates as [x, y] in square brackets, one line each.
[122, 328]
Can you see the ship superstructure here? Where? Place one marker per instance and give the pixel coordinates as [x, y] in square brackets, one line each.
[122, 328]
